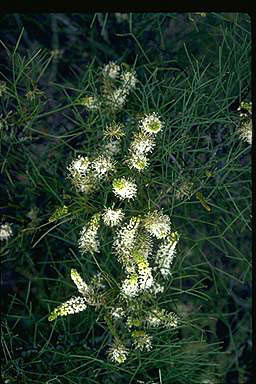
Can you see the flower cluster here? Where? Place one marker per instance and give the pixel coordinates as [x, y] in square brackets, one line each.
[86, 173]
[118, 352]
[166, 254]
[143, 244]
[157, 224]
[124, 188]
[245, 130]
[5, 231]
[88, 241]
[117, 84]
[112, 217]
[143, 142]
[73, 305]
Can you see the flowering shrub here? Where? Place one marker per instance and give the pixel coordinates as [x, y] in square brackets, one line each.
[143, 244]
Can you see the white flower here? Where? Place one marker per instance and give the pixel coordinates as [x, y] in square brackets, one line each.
[155, 317]
[130, 286]
[111, 70]
[102, 165]
[79, 166]
[118, 353]
[112, 217]
[125, 239]
[124, 188]
[142, 143]
[151, 123]
[137, 161]
[245, 131]
[157, 224]
[117, 313]
[156, 288]
[5, 231]
[144, 270]
[81, 285]
[129, 79]
[73, 305]
[166, 253]
[88, 241]
[171, 320]
[159, 317]
[141, 340]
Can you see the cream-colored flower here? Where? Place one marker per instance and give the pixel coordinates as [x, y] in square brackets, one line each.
[137, 161]
[114, 131]
[5, 231]
[125, 239]
[118, 313]
[157, 224]
[73, 305]
[130, 286]
[117, 98]
[90, 102]
[112, 217]
[124, 188]
[129, 79]
[142, 143]
[111, 70]
[151, 123]
[101, 166]
[81, 285]
[141, 340]
[245, 132]
[166, 253]
[88, 241]
[118, 353]
[79, 166]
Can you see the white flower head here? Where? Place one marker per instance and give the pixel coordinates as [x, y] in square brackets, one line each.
[157, 224]
[118, 313]
[166, 253]
[137, 161]
[73, 305]
[112, 217]
[79, 166]
[171, 320]
[159, 317]
[129, 79]
[144, 270]
[102, 165]
[88, 241]
[130, 286]
[141, 340]
[142, 143]
[111, 70]
[125, 240]
[155, 317]
[118, 353]
[124, 188]
[81, 285]
[245, 132]
[151, 123]
[112, 147]
[5, 231]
